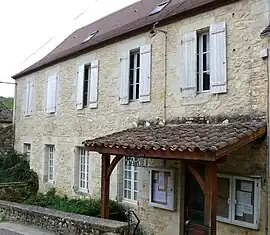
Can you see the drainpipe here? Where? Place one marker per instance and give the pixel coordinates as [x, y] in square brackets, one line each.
[153, 33]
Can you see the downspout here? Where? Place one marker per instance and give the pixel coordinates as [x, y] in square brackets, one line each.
[153, 33]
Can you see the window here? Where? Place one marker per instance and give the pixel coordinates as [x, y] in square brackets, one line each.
[238, 201]
[91, 35]
[159, 7]
[86, 85]
[203, 63]
[161, 189]
[130, 182]
[27, 150]
[28, 98]
[50, 151]
[83, 170]
[51, 93]
[134, 75]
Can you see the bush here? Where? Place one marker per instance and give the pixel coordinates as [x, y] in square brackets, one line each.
[88, 206]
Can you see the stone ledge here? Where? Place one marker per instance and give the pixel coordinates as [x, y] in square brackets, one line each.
[60, 222]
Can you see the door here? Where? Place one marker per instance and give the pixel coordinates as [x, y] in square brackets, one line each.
[194, 205]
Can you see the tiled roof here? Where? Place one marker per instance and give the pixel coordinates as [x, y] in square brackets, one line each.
[183, 137]
[120, 25]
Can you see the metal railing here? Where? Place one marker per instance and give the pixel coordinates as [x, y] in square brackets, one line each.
[130, 214]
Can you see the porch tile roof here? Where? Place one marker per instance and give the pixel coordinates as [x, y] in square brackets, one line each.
[183, 137]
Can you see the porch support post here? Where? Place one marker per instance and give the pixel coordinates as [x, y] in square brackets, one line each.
[211, 196]
[105, 186]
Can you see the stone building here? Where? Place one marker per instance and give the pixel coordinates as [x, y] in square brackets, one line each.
[190, 80]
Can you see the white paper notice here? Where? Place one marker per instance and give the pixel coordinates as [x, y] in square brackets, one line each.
[242, 208]
[243, 198]
[161, 182]
[159, 196]
[246, 186]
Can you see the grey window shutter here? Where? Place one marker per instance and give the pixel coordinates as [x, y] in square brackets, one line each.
[188, 79]
[26, 99]
[145, 73]
[218, 63]
[51, 94]
[93, 100]
[80, 78]
[124, 78]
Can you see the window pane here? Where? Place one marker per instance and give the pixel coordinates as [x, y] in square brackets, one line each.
[135, 175]
[137, 91]
[244, 208]
[205, 38]
[135, 186]
[125, 193]
[131, 92]
[131, 76]
[223, 197]
[206, 81]
[135, 196]
[129, 195]
[138, 75]
[138, 59]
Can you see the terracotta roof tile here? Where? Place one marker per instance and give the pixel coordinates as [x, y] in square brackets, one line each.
[183, 137]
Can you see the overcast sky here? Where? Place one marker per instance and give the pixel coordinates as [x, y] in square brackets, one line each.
[26, 25]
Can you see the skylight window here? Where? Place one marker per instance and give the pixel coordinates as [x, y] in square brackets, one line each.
[160, 7]
[91, 35]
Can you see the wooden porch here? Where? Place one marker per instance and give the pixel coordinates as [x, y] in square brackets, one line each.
[207, 144]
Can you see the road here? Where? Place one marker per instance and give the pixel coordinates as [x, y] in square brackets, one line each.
[8, 228]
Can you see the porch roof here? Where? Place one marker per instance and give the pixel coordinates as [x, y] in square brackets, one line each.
[184, 141]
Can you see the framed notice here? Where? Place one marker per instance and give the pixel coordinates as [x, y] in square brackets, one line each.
[161, 189]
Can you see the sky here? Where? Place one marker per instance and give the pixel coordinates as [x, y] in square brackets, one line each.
[29, 24]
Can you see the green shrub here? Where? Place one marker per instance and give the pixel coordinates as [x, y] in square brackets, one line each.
[87, 206]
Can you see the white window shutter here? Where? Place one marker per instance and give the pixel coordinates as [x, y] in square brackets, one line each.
[30, 97]
[145, 73]
[26, 99]
[188, 79]
[94, 85]
[80, 78]
[124, 79]
[218, 63]
[51, 94]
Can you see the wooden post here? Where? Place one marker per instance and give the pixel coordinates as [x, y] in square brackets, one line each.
[211, 196]
[105, 186]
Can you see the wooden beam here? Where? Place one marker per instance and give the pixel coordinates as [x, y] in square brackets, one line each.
[105, 186]
[211, 196]
[197, 176]
[159, 154]
[113, 164]
[245, 141]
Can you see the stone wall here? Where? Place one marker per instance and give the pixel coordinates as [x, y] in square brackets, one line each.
[60, 222]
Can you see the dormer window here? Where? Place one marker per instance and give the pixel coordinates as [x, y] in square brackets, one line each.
[160, 7]
[90, 36]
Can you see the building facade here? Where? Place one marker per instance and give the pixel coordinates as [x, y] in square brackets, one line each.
[206, 66]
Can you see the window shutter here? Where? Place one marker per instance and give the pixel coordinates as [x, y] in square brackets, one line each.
[218, 64]
[94, 85]
[145, 73]
[51, 94]
[79, 102]
[30, 97]
[124, 78]
[26, 99]
[188, 79]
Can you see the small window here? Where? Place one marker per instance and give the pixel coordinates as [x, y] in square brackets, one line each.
[159, 7]
[50, 152]
[161, 189]
[203, 62]
[27, 150]
[91, 35]
[238, 201]
[130, 183]
[134, 75]
[86, 85]
[83, 171]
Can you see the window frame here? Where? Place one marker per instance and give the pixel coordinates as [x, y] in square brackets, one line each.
[134, 83]
[200, 65]
[27, 150]
[88, 67]
[51, 156]
[232, 210]
[133, 181]
[156, 204]
[86, 171]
